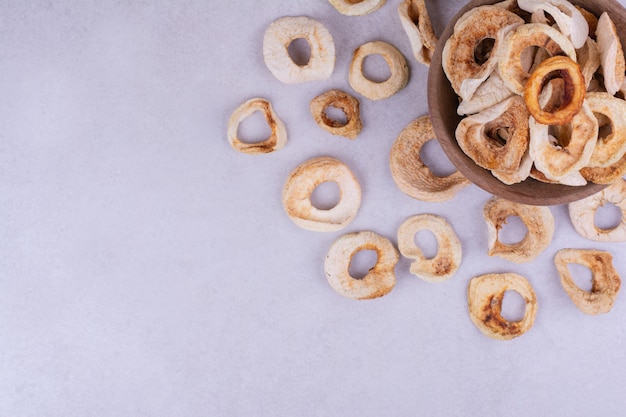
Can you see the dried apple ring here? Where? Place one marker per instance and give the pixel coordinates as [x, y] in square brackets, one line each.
[612, 148]
[277, 139]
[409, 172]
[488, 94]
[476, 27]
[574, 89]
[605, 175]
[279, 36]
[588, 58]
[416, 23]
[379, 281]
[448, 258]
[378, 90]
[582, 213]
[605, 284]
[496, 138]
[568, 18]
[484, 296]
[357, 7]
[520, 38]
[611, 54]
[537, 219]
[559, 157]
[305, 178]
[346, 103]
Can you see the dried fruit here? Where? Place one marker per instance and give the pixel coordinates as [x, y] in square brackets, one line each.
[282, 32]
[605, 283]
[380, 279]
[537, 219]
[485, 294]
[305, 178]
[277, 139]
[410, 173]
[378, 90]
[448, 258]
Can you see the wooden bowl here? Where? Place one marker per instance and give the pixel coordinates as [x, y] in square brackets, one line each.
[443, 102]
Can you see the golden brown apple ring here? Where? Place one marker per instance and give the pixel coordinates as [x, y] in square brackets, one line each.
[279, 36]
[357, 7]
[448, 258]
[379, 281]
[458, 56]
[416, 23]
[537, 219]
[410, 173]
[582, 213]
[558, 160]
[277, 139]
[520, 38]
[496, 138]
[378, 90]
[484, 296]
[605, 284]
[305, 178]
[574, 89]
[612, 148]
[346, 103]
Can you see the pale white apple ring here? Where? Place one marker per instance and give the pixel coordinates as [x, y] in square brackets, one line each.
[568, 18]
[537, 219]
[379, 281]
[485, 294]
[611, 54]
[612, 148]
[582, 213]
[357, 7]
[606, 282]
[554, 159]
[496, 138]
[409, 172]
[520, 38]
[475, 27]
[416, 23]
[277, 138]
[378, 90]
[305, 178]
[279, 36]
[448, 258]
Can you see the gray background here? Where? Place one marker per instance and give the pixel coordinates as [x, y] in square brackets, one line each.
[148, 269]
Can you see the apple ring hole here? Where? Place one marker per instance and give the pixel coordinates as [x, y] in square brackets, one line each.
[375, 68]
[513, 231]
[362, 262]
[326, 195]
[608, 216]
[427, 242]
[336, 116]
[254, 128]
[483, 50]
[581, 275]
[513, 306]
[299, 51]
[433, 156]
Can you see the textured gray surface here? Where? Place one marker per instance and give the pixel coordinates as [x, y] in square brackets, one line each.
[147, 269]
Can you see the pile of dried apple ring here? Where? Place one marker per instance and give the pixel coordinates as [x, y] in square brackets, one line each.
[484, 101]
